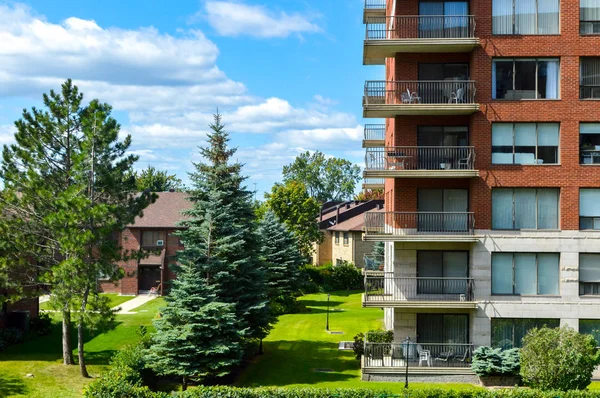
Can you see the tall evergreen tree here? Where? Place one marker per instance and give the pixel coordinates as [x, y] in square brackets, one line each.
[66, 192]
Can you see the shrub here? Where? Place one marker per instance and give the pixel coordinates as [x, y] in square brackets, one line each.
[232, 392]
[489, 361]
[118, 384]
[42, 325]
[10, 336]
[373, 336]
[558, 359]
[328, 278]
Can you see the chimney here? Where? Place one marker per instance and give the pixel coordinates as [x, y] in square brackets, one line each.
[171, 189]
[347, 205]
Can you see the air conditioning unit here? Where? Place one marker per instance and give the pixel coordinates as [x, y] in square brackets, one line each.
[160, 242]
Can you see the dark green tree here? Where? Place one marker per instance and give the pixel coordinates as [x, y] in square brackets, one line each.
[222, 225]
[66, 191]
[325, 178]
[157, 180]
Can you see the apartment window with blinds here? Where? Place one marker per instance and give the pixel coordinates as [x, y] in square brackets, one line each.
[346, 238]
[525, 78]
[589, 209]
[525, 17]
[589, 78]
[589, 143]
[150, 238]
[525, 273]
[508, 333]
[525, 208]
[590, 326]
[589, 16]
[589, 274]
[525, 143]
[337, 237]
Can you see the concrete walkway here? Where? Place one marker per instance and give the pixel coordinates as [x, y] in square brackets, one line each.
[128, 306]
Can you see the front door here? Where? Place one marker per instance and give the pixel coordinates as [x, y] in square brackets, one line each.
[148, 277]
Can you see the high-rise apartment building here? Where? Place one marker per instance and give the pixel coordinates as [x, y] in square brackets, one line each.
[490, 160]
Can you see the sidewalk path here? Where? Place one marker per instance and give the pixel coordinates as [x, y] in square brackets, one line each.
[128, 306]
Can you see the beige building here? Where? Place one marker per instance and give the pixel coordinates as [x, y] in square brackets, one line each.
[342, 225]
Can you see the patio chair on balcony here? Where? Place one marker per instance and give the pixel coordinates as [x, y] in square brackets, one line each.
[465, 163]
[424, 355]
[444, 356]
[466, 356]
[458, 97]
[414, 97]
[405, 97]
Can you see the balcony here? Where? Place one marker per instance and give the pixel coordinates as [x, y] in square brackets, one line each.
[433, 358]
[421, 162]
[373, 183]
[420, 227]
[386, 36]
[387, 99]
[373, 8]
[398, 292]
[374, 136]
[374, 264]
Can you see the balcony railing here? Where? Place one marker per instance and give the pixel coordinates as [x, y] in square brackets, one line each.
[421, 27]
[452, 355]
[420, 92]
[374, 4]
[374, 262]
[421, 158]
[374, 181]
[419, 223]
[374, 132]
[388, 288]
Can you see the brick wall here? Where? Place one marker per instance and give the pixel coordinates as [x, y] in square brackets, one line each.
[569, 176]
[29, 304]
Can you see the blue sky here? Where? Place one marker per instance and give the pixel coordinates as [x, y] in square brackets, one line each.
[287, 75]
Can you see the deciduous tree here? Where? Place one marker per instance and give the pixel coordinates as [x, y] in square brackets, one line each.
[157, 180]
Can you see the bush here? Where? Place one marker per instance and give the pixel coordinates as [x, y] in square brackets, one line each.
[373, 336]
[118, 384]
[329, 278]
[346, 277]
[9, 337]
[42, 325]
[489, 361]
[558, 359]
[232, 392]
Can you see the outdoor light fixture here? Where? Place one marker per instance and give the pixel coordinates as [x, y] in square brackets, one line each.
[406, 347]
[327, 325]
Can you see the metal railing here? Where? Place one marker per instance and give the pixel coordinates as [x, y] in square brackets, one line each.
[374, 181]
[420, 92]
[419, 223]
[391, 288]
[421, 158]
[421, 27]
[375, 132]
[374, 4]
[452, 355]
[374, 262]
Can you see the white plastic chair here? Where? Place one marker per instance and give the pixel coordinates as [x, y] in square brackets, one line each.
[424, 355]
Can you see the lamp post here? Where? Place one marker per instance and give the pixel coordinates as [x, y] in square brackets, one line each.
[327, 325]
[406, 347]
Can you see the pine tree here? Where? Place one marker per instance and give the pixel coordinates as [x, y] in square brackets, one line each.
[222, 226]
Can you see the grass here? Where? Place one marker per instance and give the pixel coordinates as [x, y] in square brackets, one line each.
[299, 344]
[42, 357]
[114, 298]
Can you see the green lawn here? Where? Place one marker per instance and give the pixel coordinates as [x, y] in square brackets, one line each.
[43, 358]
[114, 298]
[299, 344]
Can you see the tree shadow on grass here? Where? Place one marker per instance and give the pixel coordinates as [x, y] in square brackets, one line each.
[11, 385]
[99, 357]
[320, 303]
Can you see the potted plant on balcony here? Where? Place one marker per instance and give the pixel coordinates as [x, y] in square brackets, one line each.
[497, 367]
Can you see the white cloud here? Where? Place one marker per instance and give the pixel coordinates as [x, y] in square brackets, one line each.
[323, 137]
[7, 134]
[230, 18]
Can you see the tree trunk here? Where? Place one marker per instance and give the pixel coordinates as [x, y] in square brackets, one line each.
[80, 352]
[260, 348]
[184, 383]
[66, 338]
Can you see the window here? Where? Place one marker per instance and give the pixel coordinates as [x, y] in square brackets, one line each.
[525, 78]
[525, 143]
[446, 19]
[590, 326]
[525, 273]
[589, 209]
[589, 77]
[346, 238]
[525, 208]
[589, 143]
[589, 16]
[150, 238]
[438, 328]
[509, 332]
[525, 17]
[337, 237]
[443, 210]
[435, 265]
[589, 274]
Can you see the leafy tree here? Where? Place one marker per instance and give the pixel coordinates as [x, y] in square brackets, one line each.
[558, 359]
[325, 178]
[67, 188]
[283, 260]
[292, 204]
[370, 194]
[157, 180]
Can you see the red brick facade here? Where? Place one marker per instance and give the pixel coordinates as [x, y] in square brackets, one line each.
[31, 305]
[569, 111]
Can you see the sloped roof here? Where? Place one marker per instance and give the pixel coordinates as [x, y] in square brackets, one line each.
[355, 223]
[165, 212]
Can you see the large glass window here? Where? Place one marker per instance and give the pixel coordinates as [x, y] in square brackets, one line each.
[509, 332]
[589, 208]
[589, 78]
[443, 19]
[525, 78]
[151, 238]
[443, 210]
[589, 274]
[438, 328]
[525, 273]
[589, 15]
[589, 143]
[525, 17]
[448, 268]
[525, 143]
[525, 208]
[590, 326]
